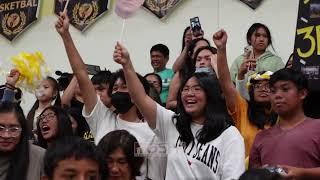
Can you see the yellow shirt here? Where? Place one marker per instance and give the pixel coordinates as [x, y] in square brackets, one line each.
[241, 119]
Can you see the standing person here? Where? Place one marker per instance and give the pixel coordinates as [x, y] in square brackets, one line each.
[295, 140]
[159, 54]
[102, 119]
[201, 142]
[20, 160]
[251, 116]
[47, 94]
[259, 38]
[188, 67]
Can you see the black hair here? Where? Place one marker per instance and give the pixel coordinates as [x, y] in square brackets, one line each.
[102, 77]
[157, 76]
[64, 125]
[285, 74]
[163, 49]
[31, 114]
[184, 36]
[256, 111]
[260, 174]
[217, 117]
[254, 27]
[128, 143]
[188, 67]
[119, 74]
[66, 148]
[19, 161]
[83, 126]
[213, 50]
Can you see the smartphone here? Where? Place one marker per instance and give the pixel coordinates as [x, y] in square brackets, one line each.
[246, 53]
[195, 26]
[93, 69]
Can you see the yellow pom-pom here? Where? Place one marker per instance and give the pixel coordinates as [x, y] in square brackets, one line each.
[32, 68]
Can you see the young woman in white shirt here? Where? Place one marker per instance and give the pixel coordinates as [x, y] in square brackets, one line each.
[201, 142]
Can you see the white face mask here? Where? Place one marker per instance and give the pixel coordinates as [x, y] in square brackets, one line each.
[205, 70]
[39, 92]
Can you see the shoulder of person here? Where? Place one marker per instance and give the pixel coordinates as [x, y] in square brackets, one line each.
[36, 151]
[232, 132]
[268, 54]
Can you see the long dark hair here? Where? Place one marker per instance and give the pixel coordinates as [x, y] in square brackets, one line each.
[35, 106]
[128, 143]
[217, 117]
[256, 111]
[184, 36]
[64, 125]
[19, 161]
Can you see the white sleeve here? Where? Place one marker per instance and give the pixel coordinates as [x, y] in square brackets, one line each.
[99, 120]
[241, 86]
[234, 156]
[164, 123]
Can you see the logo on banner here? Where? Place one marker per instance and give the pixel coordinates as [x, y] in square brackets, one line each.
[84, 12]
[16, 16]
[307, 42]
[161, 7]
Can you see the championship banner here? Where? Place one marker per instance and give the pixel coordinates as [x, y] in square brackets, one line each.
[82, 13]
[161, 8]
[307, 42]
[16, 16]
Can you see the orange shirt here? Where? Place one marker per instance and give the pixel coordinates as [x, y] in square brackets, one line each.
[241, 119]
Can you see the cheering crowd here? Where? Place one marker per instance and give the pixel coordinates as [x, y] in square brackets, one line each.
[199, 120]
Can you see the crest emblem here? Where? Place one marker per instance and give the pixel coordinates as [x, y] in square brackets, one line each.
[84, 12]
[161, 8]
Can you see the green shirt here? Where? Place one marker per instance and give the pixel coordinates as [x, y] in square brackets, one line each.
[166, 76]
[266, 62]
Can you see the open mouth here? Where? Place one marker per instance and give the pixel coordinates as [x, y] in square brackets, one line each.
[45, 128]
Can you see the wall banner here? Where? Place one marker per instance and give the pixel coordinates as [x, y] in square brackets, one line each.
[307, 42]
[16, 16]
[161, 8]
[82, 13]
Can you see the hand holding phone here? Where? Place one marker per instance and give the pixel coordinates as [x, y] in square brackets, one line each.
[196, 29]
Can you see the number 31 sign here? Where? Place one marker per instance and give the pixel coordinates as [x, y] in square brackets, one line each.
[307, 42]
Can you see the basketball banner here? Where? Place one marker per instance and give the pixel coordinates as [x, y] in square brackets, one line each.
[307, 42]
[161, 8]
[16, 16]
[82, 13]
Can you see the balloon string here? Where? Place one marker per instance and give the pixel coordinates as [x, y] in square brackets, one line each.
[122, 30]
[65, 7]
[218, 14]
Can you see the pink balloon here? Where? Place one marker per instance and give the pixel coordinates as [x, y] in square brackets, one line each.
[126, 8]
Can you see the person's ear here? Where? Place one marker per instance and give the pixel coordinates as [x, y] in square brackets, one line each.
[303, 94]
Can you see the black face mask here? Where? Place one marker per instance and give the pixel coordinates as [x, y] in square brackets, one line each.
[121, 101]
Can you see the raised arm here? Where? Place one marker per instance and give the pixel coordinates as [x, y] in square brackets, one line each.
[229, 90]
[69, 92]
[173, 92]
[145, 104]
[11, 80]
[177, 65]
[78, 67]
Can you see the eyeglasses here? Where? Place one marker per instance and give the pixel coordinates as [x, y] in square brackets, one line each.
[193, 89]
[260, 86]
[47, 117]
[13, 131]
